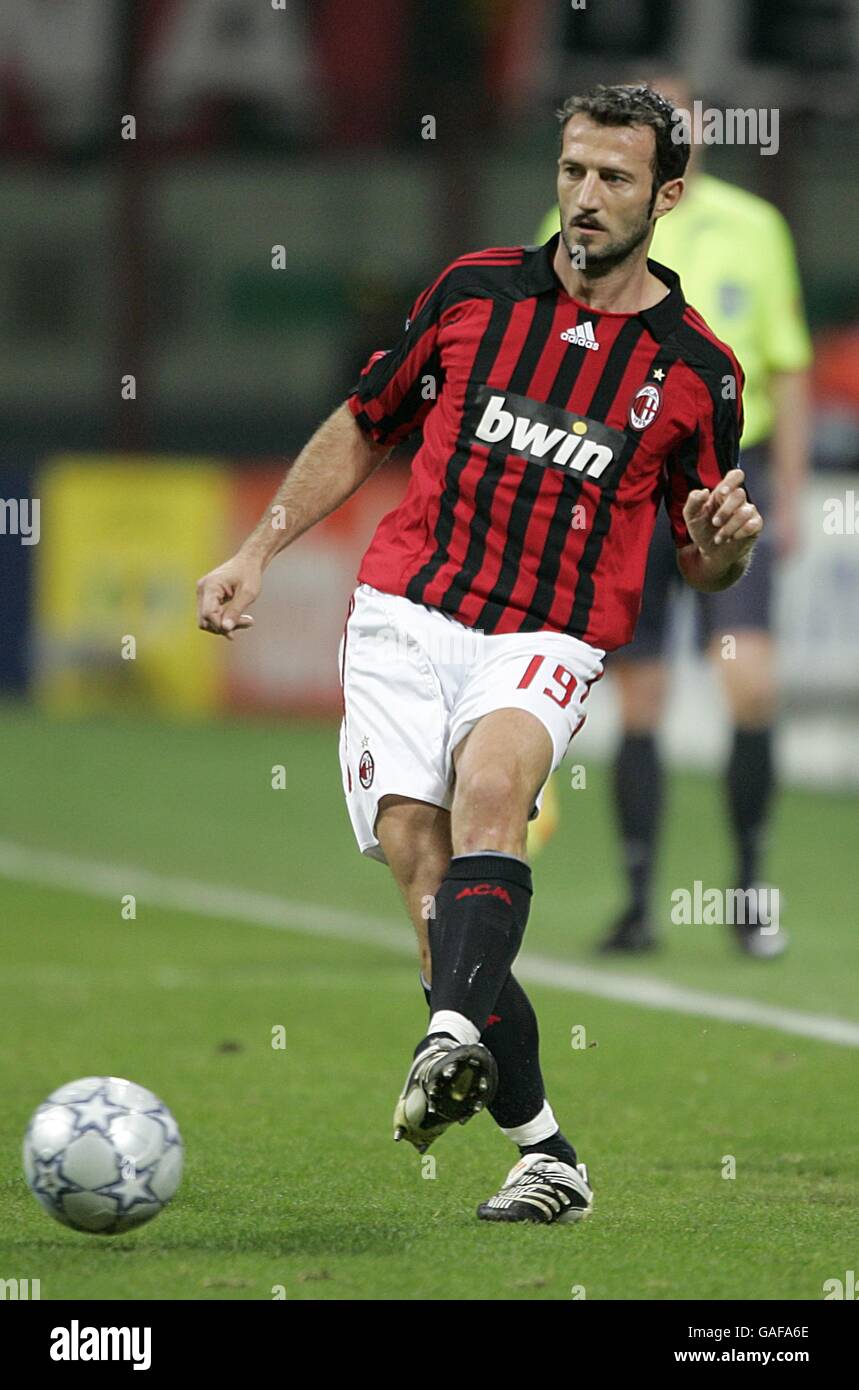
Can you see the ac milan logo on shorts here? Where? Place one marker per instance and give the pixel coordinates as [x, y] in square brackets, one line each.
[646, 405]
[366, 769]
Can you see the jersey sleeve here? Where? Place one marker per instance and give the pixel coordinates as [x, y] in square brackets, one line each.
[712, 448]
[784, 332]
[399, 386]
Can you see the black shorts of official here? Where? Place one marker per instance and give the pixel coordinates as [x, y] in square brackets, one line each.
[747, 604]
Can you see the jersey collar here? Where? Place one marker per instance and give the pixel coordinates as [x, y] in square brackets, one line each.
[536, 275]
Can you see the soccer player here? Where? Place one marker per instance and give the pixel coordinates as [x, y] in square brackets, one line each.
[735, 256]
[564, 391]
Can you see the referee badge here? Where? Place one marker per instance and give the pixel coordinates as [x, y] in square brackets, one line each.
[733, 299]
[646, 405]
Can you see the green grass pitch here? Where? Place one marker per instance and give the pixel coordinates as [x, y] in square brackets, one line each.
[291, 1177]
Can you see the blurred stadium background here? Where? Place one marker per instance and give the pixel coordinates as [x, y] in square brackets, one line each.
[152, 258]
[156, 370]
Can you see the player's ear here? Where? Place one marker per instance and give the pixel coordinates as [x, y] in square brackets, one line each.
[668, 197]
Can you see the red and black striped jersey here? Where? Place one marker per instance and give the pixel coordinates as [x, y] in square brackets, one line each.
[551, 432]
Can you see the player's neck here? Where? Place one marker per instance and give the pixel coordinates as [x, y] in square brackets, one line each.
[625, 289]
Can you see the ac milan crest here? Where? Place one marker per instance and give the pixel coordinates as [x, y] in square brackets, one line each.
[646, 405]
[366, 769]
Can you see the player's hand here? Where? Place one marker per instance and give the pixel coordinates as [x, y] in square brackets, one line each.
[224, 593]
[723, 524]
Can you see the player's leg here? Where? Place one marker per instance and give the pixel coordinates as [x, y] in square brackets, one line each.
[638, 783]
[478, 919]
[499, 767]
[388, 826]
[494, 795]
[415, 837]
[749, 682]
[396, 776]
[483, 903]
[746, 665]
[483, 907]
[638, 789]
[416, 841]
[737, 625]
[447, 1081]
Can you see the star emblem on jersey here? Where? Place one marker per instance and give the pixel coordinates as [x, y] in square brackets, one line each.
[658, 373]
[646, 405]
[581, 336]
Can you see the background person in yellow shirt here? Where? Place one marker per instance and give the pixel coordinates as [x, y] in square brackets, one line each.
[735, 257]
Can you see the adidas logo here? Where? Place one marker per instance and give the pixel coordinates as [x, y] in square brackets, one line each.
[582, 336]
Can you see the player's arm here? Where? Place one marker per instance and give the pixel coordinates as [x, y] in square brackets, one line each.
[334, 463]
[723, 526]
[714, 522]
[385, 407]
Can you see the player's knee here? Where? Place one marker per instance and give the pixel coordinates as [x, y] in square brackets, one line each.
[492, 791]
[489, 811]
[641, 688]
[754, 703]
[405, 832]
[750, 683]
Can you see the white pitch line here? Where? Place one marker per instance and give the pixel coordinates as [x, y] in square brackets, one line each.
[43, 868]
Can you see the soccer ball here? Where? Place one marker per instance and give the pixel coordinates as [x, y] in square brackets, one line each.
[102, 1155]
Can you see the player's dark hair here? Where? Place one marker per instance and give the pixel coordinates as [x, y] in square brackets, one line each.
[637, 105]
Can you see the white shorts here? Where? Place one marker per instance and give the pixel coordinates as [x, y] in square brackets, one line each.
[416, 681]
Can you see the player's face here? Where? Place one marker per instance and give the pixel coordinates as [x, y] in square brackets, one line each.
[605, 190]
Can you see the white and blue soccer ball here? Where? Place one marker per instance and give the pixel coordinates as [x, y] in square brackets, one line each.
[103, 1155]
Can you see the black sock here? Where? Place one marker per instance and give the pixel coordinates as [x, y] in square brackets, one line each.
[557, 1145]
[638, 794]
[481, 910]
[749, 786]
[512, 1036]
